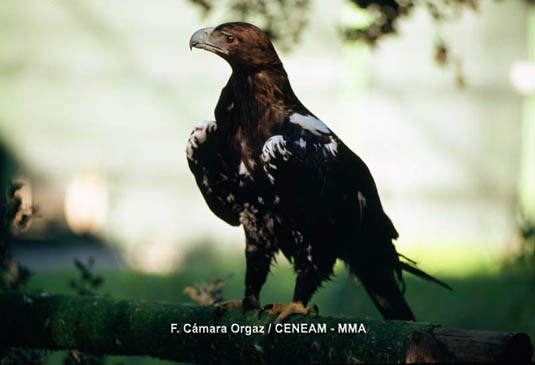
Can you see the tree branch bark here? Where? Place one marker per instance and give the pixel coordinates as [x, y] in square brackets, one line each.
[126, 327]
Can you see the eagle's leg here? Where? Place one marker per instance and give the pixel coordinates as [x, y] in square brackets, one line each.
[310, 275]
[258, 260]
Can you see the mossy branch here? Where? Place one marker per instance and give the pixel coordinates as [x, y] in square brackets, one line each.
[128, 327]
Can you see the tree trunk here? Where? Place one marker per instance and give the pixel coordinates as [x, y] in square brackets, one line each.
[127, 327]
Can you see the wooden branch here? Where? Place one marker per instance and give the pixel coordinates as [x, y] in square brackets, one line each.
[126, 327]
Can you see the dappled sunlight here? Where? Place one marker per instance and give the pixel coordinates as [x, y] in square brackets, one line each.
[523, 76]
[86, 203]
[155, 256]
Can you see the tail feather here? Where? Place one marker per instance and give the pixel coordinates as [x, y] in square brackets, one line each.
[421, 274]
[381, 285]
[385, 294]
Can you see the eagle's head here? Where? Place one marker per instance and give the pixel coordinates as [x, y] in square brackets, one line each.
[240, 44]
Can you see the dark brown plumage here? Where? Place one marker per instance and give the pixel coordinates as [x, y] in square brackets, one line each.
[269, 164]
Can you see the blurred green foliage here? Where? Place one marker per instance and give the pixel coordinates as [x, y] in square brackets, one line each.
[88, 282]
[13, 217]
[13, 276]
[282, 20]
[285, 20]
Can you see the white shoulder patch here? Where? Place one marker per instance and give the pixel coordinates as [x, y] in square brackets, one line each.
[310, 123]
[198, 135]
[275, 145]
[331, 147]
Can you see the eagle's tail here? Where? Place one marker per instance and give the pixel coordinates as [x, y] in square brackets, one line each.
[382, 287]
[386, 294]
[415, 271]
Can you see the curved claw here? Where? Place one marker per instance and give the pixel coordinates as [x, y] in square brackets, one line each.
[264, 308]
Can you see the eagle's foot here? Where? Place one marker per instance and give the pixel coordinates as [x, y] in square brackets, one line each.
[286, 310]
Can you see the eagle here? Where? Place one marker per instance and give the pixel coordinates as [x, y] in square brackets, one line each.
[269, 164]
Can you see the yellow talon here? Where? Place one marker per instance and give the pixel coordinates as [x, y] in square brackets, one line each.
[286, 310]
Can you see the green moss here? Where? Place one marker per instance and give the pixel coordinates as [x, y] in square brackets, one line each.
[107, 326]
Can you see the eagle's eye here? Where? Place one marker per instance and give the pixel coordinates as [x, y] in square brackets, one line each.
[229, 38]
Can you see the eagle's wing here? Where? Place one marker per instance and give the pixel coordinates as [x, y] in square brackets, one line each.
[321, 181]
[218, 184]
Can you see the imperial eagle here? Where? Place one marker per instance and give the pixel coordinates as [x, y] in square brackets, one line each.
[269, 164]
